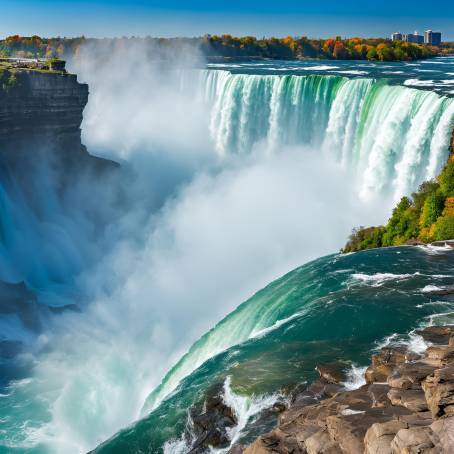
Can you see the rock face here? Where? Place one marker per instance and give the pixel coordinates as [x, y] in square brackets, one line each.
[40, 116]
[42, 104]
[406, 406]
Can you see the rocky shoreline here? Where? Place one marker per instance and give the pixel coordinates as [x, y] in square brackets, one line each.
[406, 406]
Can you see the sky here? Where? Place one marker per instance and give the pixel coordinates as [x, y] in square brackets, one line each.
[315, 18]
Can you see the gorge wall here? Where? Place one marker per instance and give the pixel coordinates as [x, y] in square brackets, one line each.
[43, 164]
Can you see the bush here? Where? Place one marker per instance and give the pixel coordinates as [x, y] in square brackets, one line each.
[444, 228]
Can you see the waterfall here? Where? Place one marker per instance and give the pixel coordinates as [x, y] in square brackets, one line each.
[193, 257]
[392, 136]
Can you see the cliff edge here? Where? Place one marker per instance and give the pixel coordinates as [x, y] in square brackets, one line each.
[40, 115]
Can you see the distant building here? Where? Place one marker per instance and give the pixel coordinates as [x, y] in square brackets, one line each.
[397, 36]
[414, 38]
[432, 38]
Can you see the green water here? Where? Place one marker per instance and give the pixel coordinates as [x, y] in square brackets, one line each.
[337, 308]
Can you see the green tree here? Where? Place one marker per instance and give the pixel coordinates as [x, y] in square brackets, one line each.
[432, 208]
[446, 179]
[444, 228]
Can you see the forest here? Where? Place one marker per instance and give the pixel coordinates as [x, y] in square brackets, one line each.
[227, 46]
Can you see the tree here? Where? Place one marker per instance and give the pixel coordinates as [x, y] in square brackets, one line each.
[446, 179]
[444, 228]
[432, 208]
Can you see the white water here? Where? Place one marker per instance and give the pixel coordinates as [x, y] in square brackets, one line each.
[393, 137]
[245, 408]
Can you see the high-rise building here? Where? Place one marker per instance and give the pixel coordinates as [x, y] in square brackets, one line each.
[432, 38]
[397, 36]
[414, 38]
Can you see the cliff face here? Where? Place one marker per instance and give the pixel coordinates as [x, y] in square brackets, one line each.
[42, 104]
[40, 118]
[43, 164]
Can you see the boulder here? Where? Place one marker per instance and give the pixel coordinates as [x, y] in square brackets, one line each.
[443, 355]
[437, 334]
[321, 443]
[211, 421]
[383, 364]
[414, 440]
[413, 399]
[410, 375]
[331, 373]
[276, 441]
[379, 436]
[378, 393]
[444, 429]
[439, 392]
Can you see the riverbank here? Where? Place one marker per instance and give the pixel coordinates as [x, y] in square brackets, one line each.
[426, 216]
[406, 406]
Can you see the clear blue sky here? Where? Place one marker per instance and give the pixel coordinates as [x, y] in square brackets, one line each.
[315, 18]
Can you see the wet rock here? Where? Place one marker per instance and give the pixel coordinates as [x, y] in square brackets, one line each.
[331, 373]
[238, 449]
[276, 441]
[437, 334]
[414, 242]
[211, 421]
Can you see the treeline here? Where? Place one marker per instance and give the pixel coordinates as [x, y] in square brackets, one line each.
[235, 47]
[302, 47]
[427, 216]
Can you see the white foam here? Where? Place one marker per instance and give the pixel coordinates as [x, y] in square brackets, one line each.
[431, 288]
[353, 72]
[416, 343]
[355, 378]
[277, 324]
[378, 279]
[320, 68]
[349, 411]
[386, 341]
[431, 249]
[419, 83]
[179, 446]
[244, 408]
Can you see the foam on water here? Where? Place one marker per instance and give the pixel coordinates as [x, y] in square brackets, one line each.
[431, 288]
[379, 279]
[355, 377]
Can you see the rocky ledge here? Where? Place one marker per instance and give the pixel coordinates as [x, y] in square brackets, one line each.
[406, 406]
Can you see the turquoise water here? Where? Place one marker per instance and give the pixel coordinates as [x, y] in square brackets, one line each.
[435, 74]
[336, 308]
